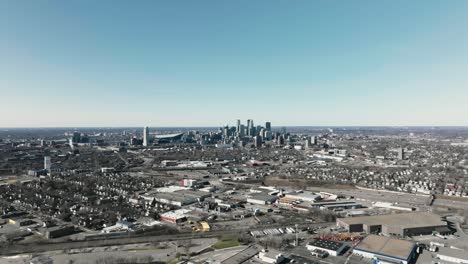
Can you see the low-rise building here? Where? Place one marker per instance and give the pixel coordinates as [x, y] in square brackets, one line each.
[175, 217]
[59, 231]
[262, 199]
[405, 224]
[386, 249]
[333, 248]
[271, 256]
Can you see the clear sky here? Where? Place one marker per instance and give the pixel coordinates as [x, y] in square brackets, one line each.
[207, 63]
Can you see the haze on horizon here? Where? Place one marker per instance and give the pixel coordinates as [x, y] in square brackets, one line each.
[208, 63]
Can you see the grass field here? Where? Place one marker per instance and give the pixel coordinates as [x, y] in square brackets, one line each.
[226, 242]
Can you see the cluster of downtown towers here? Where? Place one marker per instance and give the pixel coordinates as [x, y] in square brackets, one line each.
[240, 130]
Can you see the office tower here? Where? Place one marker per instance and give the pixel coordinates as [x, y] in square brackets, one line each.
[280, 140]
[258, 141]
[268, 126]
[242, 130]
[315, 140]
[238, 128]
[401, 153]
[252, 131]
[145, 136]
[47, 163]
[76, 137]
[262, 132]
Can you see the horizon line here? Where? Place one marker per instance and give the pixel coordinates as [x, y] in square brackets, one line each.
[277, 126]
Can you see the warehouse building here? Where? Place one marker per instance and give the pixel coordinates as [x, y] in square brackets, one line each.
[386, 250]
[333, 248]
[59, 231]
[337, 205]
[262, 199]
[403, 225]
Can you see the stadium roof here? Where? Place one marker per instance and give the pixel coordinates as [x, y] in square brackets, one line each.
[168, 136]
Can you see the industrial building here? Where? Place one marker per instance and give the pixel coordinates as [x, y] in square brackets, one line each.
[386, 250]
[262, 199]
[271, 256]
[175, 217]
[303, 196]
[334, 205]
[406, 224]
[59, 231]
[333, 248]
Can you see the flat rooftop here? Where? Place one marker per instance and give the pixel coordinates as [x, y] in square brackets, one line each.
[304, 195]
[405, 220]
[386, 246]
[451, 252]
[327, 244]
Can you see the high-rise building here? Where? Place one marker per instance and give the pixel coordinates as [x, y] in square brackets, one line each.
[47, 163]
[252, 131]
[268, 126]
[258, 141]
[280, 140]
[315, 140]
[226, 131]
[250, 127]
[242, 130]
[238, 128]
[145, 136]
[76, 138]
[401, 153]
[308, 143]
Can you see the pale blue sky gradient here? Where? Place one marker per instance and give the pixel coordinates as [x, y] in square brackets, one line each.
[205, 63]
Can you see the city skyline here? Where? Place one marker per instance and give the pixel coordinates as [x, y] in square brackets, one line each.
[164, 64]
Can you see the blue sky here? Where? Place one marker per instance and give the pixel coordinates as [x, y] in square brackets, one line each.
[206, 63]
